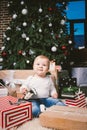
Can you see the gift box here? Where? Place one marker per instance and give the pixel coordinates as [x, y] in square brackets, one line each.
[69, 92]
[3, 92]
[64, 118]
[13, 113]
[79, 100]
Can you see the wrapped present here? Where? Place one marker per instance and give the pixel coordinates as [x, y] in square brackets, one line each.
[3, 92]
[3, 89]
[13, 113]
[69, 92]
[64, 118]
[79, 100]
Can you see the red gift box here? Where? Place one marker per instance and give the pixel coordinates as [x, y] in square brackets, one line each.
[78, 101]
[15, 114]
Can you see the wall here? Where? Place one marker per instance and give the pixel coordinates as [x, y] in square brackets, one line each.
[4, 18]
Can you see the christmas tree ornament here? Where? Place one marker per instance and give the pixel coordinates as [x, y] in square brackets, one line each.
[8, 28]
[22, 2]
[2, 48]
[27, 38]
[31, 52]
[71, 48]
[23, 35]
[72, 63]
[62, 22]
[24, 11]
[33, 26]
[14, 63]
[11, 1]
[49, 18]
[8, 38]
[39, 20]
[40, 10]
[8, 5]
[20, 52]
[54, 49]
[50, 9]
[52, 33]
[23, 53]
[27, 61]
[4, 53]
[40, 30]
[14, 16]
[65, 57]
[18, 28]
[46, 16]
[1, 59]
[70, 42]
[61, 30]
[4, 35]
[59, 35]
[66, 53]
[61, 62]
[9, 51]
[50, 24]
[63, 47]
[63, 3]
[24, 24]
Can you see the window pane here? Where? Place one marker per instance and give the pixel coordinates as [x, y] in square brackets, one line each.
[76, 10]
[79, 34]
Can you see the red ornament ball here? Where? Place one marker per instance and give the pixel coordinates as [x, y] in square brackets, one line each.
[4, 53]
[63, 47]
[20, 52]
[50, 9]
[57, 36]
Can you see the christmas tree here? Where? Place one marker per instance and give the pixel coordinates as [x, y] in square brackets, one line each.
[37, 27]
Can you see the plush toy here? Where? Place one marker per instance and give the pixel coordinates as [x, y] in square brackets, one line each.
[28, 92]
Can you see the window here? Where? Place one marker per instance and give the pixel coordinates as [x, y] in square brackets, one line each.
[79, 35]
[76, 10]
[77, 16]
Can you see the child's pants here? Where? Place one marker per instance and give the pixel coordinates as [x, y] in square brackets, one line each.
[48, 102]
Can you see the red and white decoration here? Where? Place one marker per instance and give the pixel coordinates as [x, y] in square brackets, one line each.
[78, 101]
[13, 115]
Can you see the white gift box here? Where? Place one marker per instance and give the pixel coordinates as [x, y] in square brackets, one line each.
[3, 92]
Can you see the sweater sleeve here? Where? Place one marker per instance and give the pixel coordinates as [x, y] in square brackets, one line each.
[25, 84]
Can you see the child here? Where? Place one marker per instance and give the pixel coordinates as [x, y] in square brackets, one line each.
[43, 84]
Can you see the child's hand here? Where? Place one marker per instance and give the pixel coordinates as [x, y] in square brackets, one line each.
[55, 95]
[23, 90]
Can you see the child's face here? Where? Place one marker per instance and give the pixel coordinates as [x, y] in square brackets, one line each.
[41, 66]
